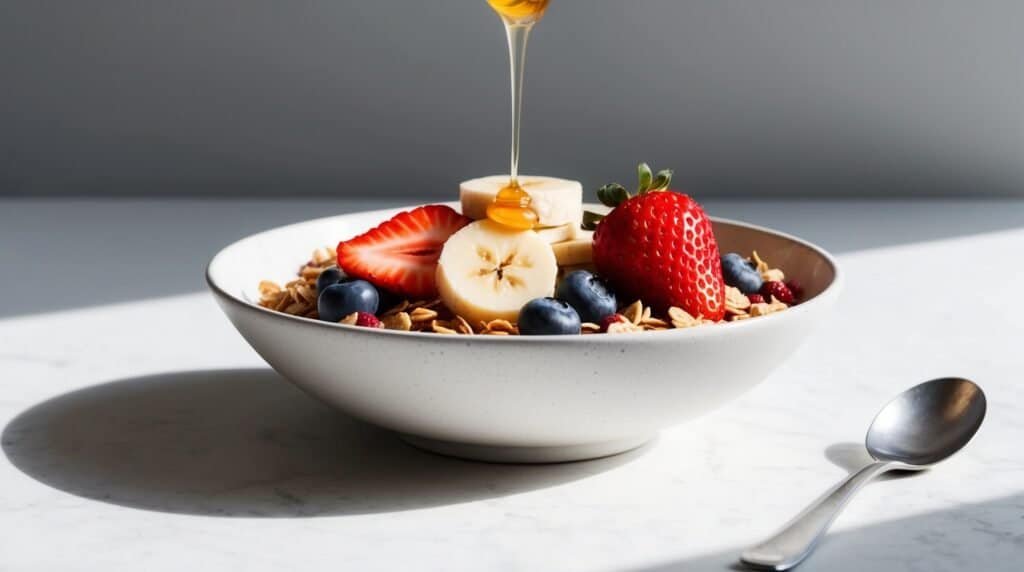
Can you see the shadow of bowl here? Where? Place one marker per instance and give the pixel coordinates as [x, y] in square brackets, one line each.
[245, 443]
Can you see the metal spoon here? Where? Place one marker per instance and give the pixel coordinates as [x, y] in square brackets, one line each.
[920, 427]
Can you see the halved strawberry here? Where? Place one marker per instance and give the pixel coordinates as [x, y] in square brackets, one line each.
[401, 254]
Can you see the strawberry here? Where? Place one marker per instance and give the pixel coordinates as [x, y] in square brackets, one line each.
[400, 254]
[658, 247]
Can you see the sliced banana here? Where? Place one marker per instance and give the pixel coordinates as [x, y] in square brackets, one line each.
[554, 234]
[575, 252]
[488, 272]
[556, 201]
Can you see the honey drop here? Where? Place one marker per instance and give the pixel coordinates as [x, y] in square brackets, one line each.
[519, 11]
[511, 208]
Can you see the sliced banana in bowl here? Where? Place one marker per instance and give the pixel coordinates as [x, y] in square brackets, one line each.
[488, 272]
[575, 251]
[558, 234]
[556, 201]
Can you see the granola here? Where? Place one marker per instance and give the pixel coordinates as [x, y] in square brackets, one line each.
[298, 297]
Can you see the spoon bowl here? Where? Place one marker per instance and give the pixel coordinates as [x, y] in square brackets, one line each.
[927, 423]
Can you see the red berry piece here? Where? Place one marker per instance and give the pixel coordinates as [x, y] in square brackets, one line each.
[756, 298]
[779, 291]
[368, 320]
[613, 319]
[796, 289]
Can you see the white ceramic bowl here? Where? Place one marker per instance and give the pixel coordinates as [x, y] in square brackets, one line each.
[517, 398]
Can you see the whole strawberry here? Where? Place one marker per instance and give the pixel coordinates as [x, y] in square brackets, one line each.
[658, 246]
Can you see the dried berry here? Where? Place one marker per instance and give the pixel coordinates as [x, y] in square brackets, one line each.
[779, 291]
[796, 289]
[614, 319]
[367, 320]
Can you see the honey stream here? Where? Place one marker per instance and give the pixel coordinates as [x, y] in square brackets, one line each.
[511, 206]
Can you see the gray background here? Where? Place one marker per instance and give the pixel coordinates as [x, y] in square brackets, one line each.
[404, 98]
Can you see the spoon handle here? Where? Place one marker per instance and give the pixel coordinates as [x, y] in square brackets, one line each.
[790, 545]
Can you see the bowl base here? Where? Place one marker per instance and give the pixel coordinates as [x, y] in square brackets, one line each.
[512, 454]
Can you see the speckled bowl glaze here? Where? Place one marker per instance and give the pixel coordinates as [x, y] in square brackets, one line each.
[517, 398]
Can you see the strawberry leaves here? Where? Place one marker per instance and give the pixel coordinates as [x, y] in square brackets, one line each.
[590, 220]
[614, 194]
[650, 182]
[644, 175]
[661, 181]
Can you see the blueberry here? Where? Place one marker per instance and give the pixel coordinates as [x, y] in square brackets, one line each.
[388, 299]
[741, 273]
[548, 317]
[588, 295]
[340, 300]
[329, 277]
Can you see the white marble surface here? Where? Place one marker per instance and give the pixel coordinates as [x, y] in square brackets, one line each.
[141, 433]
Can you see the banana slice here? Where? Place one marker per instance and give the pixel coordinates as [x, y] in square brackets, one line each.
[556, 201]
[575, 252]
[488, 272]
[555, 234]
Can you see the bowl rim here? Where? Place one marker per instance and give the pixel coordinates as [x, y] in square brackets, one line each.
[831, 291]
